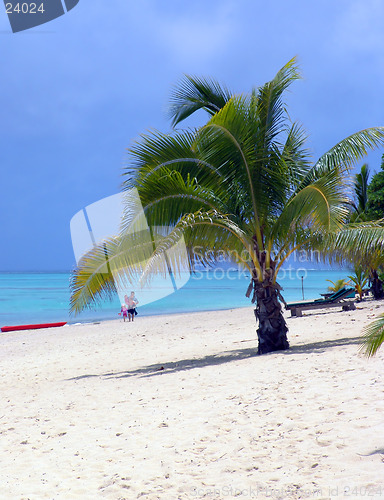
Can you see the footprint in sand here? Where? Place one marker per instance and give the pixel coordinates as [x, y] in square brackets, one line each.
[323, 443]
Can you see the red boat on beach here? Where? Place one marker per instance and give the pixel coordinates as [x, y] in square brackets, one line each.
[31, 327]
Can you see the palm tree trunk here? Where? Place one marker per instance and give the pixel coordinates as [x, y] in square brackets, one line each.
[377, 285]
[272, 331]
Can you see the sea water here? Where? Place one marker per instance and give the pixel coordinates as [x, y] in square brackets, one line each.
[27, 298]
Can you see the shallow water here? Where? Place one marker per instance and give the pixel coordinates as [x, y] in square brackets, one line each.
[44, 297]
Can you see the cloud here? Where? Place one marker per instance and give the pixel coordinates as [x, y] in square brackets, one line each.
[360, 27]
[195, 34]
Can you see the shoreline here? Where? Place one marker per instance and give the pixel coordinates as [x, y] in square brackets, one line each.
[184, 408]
[106, 320]
[44, 297]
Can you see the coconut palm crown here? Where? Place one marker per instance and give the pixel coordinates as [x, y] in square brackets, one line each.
[242, 185]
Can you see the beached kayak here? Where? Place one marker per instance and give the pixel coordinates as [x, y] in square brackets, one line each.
[31, 327]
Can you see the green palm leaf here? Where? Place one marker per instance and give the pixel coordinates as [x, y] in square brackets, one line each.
[361, 187]
[347, 153]
[270, 109]
[137, 257]
[373, 336]
[92, 281]
[354, 241]
[193, 94]
[114, 263]
[216, 234]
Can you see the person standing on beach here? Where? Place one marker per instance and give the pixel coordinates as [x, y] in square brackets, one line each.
[131, 302]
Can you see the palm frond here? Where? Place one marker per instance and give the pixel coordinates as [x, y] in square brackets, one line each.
[92, 280]
[361, 188]
[347, 152]
[194, 93]
[136, 257]
[337, 285]
[154, 150]
[355, 241]
[262, 173]
[113, 263]
[205, 233]
[224, 137]
[318, 207]
[270, 107]
[158, 152]
[296, 156]
[373, 337]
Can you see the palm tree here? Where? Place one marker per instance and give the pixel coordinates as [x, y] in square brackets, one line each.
[360, 212]
[337, 285]
[360, 182]
[242, 185]
[375, 205]
[360, 279]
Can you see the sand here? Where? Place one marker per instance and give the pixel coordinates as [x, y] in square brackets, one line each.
[181, 407]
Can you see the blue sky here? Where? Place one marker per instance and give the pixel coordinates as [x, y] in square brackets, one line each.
[76, 92]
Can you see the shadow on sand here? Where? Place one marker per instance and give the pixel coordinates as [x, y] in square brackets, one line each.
[375, 452]
[222, 358]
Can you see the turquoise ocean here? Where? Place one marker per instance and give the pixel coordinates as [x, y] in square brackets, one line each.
[27, 298]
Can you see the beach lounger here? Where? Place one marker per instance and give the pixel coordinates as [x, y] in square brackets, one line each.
[336, 299]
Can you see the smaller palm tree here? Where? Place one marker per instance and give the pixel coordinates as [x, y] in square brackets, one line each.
[337, 285]
[360, 279]
[359, 205]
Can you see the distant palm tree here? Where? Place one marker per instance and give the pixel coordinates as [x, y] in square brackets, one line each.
[359, 207]
[337, 285]
[242, 185]
[360, 213]
[360, 280]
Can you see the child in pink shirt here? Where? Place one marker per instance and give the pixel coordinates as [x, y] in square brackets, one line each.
[124, 311]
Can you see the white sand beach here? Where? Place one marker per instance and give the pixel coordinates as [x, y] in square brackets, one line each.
[181, 407]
